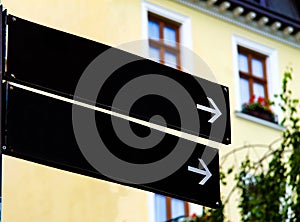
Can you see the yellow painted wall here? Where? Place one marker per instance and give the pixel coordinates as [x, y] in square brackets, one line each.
[35, 193]
[108, 21]
[114, 22]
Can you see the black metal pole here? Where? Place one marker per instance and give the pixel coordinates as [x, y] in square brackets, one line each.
[3, 15]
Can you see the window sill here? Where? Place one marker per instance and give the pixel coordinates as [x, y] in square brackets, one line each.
[259, 121]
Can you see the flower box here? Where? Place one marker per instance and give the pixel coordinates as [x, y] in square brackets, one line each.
[260, 109]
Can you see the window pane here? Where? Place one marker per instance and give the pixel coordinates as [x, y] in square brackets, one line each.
[170, 36]
[177, 208]
[153, 30]
[160, 208]
[244, 91]
[243, 63]
[170, 59]
[154, 53]
[257, 68]
[258, 90]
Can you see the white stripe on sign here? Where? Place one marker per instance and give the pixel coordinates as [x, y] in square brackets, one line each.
[164, 129]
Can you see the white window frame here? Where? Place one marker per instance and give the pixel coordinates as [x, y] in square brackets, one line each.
[185, 29]
[151, 207]
[272, 70]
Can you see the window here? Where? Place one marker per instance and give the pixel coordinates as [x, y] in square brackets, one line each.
[168, 208]
[164, 30]
[256, 73]
[163, 35]
[252, 74]
[183, 26]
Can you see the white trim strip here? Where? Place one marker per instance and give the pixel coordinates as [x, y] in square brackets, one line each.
[164, 129]
[259, 121]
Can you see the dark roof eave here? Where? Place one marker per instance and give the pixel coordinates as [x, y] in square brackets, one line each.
[287, 21]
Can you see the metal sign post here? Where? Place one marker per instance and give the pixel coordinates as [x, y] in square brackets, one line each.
[2, 90]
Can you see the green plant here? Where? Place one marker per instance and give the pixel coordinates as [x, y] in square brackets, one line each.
[270, 188]
[291, 140]
[209, 215]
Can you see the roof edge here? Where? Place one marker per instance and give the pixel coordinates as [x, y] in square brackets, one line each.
[260, 21]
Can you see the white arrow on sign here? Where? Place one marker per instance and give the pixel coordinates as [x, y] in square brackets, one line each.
[205, 172]
[214, 110]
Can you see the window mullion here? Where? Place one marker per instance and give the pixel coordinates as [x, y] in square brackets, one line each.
[168, 206]
[186, 209]
[162, 55]
[161, 32]
[266, 80]
[250, 79]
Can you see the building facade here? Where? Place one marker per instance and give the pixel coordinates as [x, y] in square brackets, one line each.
[246, 44]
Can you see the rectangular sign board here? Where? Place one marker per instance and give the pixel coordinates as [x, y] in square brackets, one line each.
[97, 74]
[42, 129]
[56, 81]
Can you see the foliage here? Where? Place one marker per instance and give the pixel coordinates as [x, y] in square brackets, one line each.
[272, 192]
[209, 215]
[291, 139]
[261, 104]
[269, 188]
[262, 192]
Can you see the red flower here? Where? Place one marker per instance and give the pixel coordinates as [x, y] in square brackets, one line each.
[252, 98]
[194, 215]
[261, 100]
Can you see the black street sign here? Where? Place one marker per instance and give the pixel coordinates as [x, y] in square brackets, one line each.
[56, 82]
[41, 129]
[107, 77]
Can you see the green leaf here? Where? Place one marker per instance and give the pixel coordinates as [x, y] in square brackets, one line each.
[229, 171]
